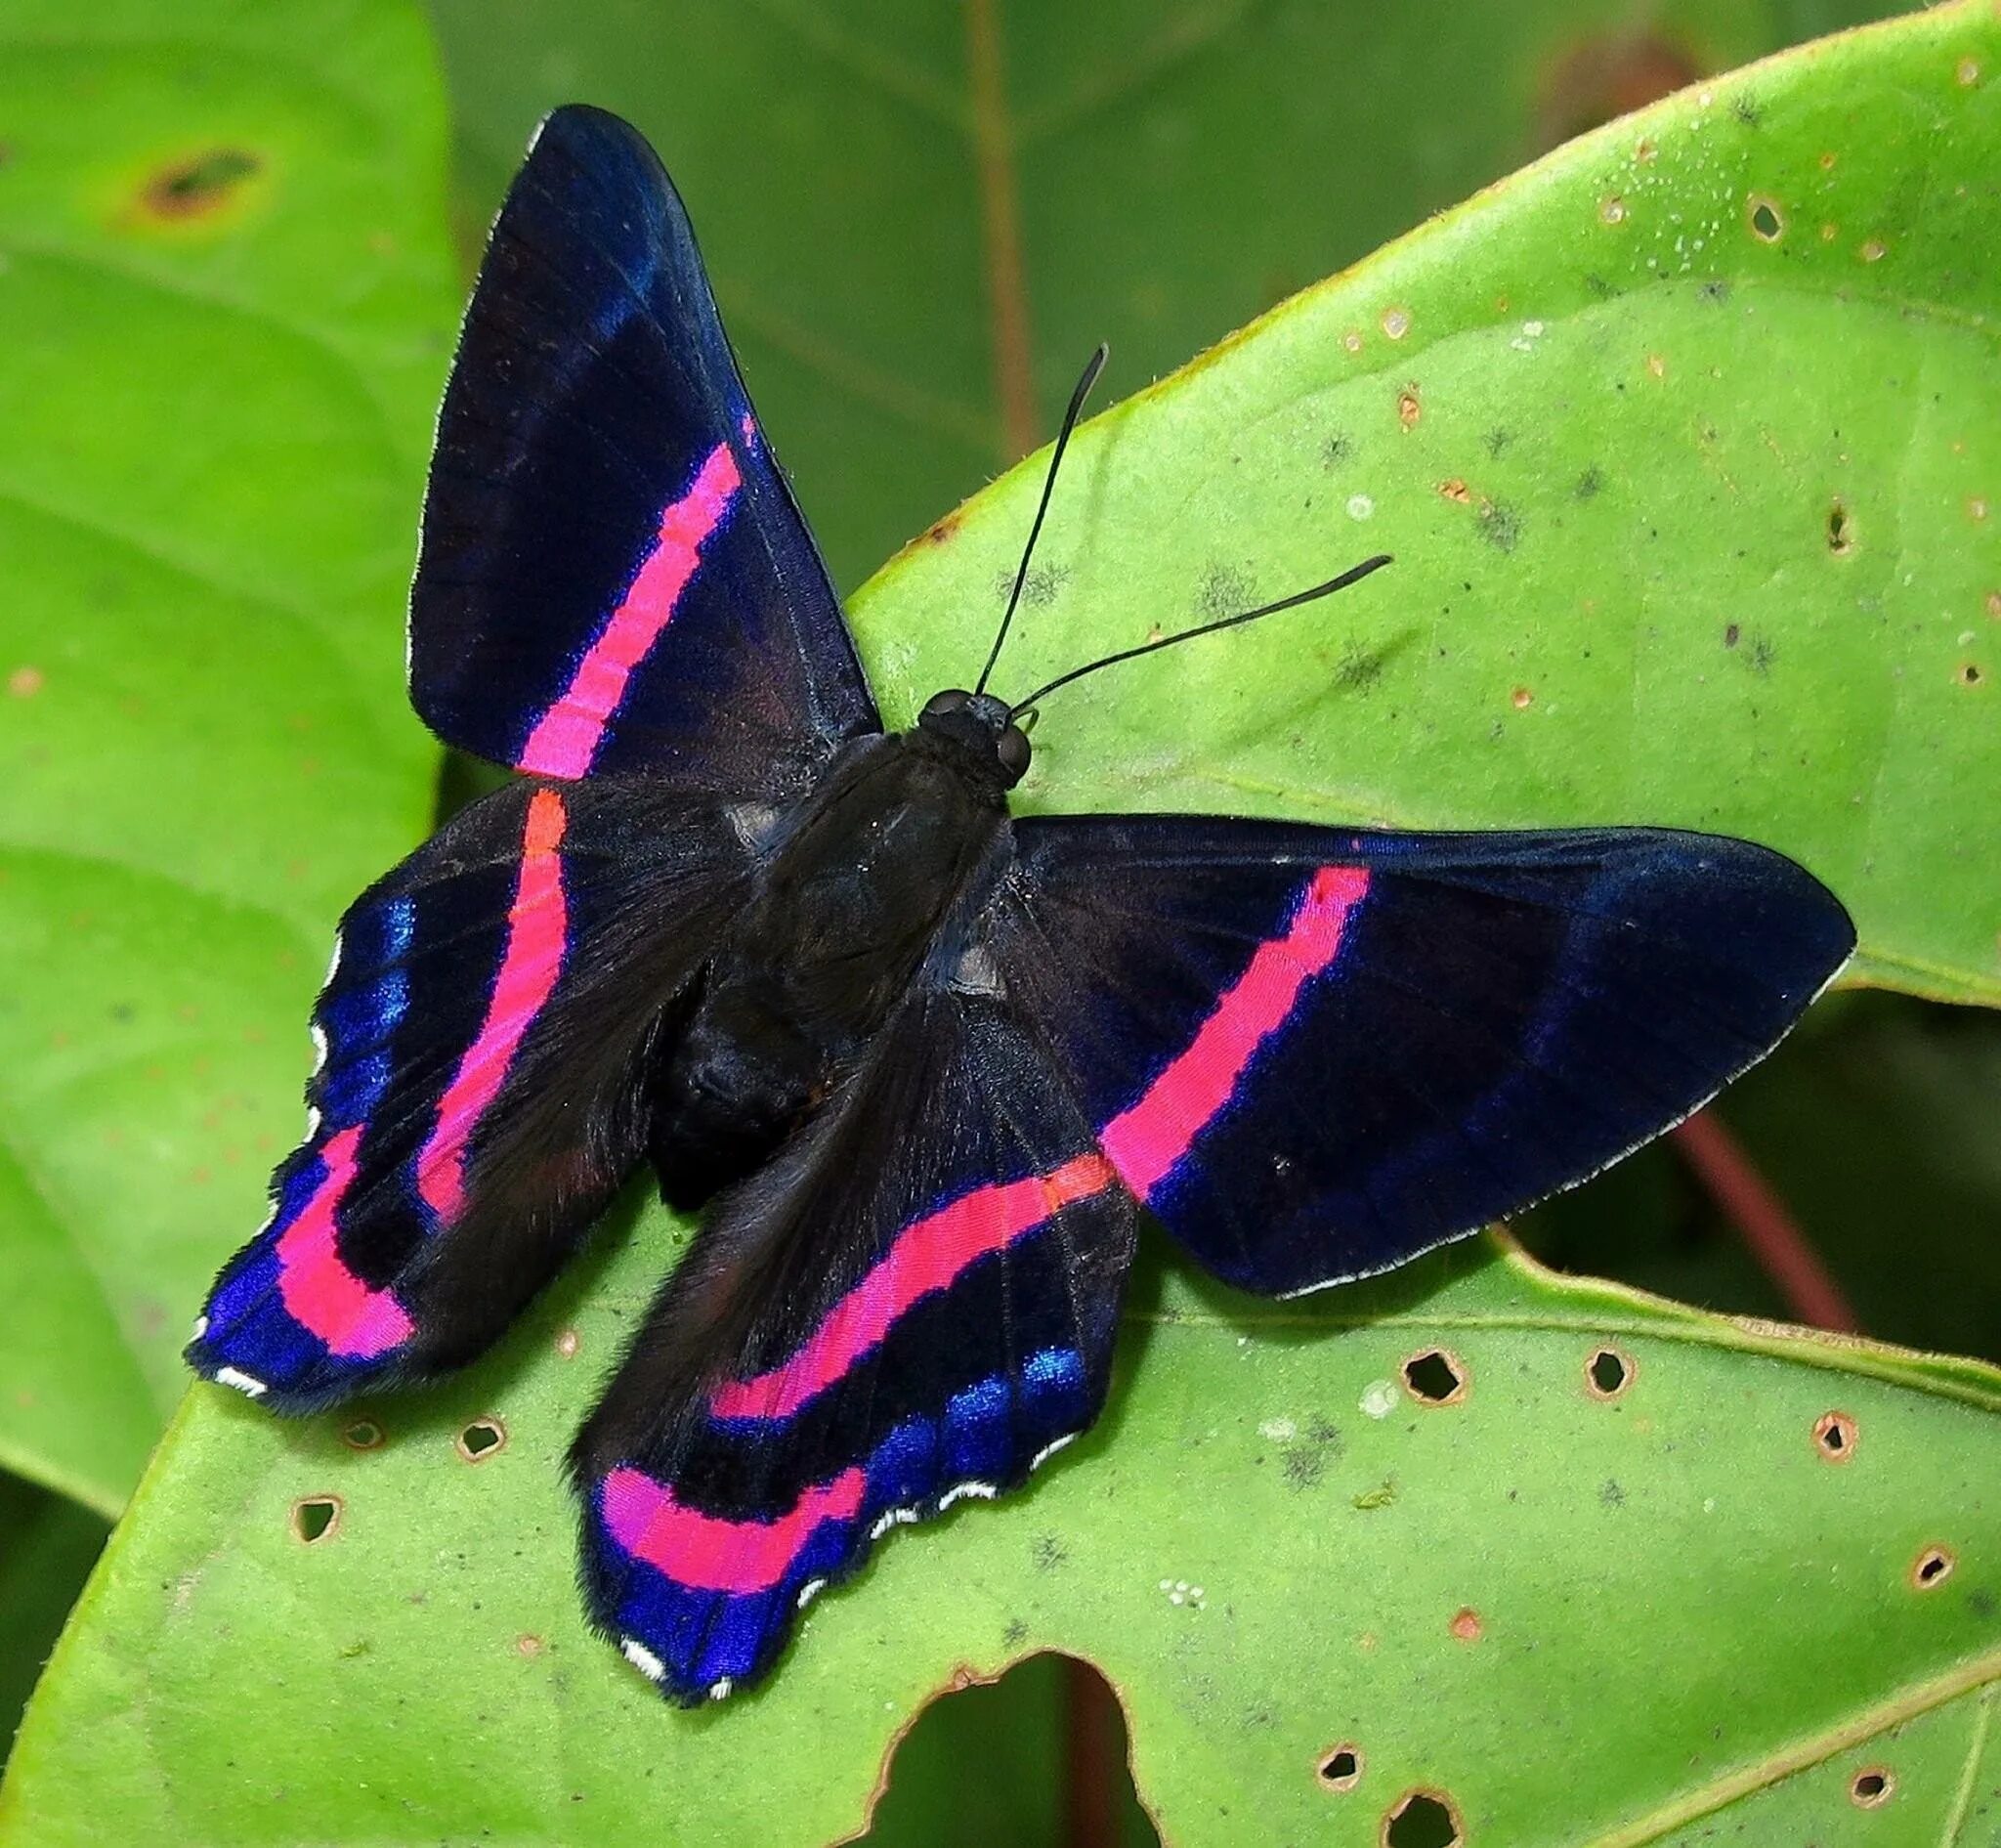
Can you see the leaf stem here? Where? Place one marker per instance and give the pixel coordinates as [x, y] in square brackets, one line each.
[1735, 1181]
[1001, 231]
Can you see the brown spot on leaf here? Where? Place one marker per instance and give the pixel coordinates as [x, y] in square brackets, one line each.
[1466, 1625]
[200, 185]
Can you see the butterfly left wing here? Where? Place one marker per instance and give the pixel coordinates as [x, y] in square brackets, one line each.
[478, 1097]
[914, 1304]
[613, 575]
[1316, 1052]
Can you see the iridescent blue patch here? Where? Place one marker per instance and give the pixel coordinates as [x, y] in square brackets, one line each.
[978, 1439]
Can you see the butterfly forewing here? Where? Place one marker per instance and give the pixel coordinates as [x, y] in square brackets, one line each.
[613, 575]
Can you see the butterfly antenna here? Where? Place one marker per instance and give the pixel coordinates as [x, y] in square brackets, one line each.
[1353, 575]
[1092, 367]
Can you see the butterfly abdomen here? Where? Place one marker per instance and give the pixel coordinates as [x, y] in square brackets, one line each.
[855, 888]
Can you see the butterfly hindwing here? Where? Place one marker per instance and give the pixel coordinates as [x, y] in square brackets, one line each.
[613, 575]
[1314, 1054]
[912, 1306]
[479, 1095]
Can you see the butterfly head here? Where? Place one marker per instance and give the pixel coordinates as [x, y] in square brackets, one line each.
[981, 724]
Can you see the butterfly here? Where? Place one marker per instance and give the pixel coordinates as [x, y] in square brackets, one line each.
[928, 1065]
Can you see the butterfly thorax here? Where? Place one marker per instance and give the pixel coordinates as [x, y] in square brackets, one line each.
[847, 893]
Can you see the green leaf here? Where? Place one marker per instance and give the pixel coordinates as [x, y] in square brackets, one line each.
[224, 300]
[1691, 526]
[1267, 1545]
[1162, 175]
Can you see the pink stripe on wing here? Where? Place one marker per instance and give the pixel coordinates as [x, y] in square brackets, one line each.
[927, 1255]
[1147, 1140]
[319, 1291]
[567, 736]
[537, 927]
[707, 1553]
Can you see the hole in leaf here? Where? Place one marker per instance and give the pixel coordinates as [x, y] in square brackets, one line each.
[1423, 1818]
[1969, 674]
[365, 1433]
[1608, 1372]
[316, 1518]
[481, 1439]
[1932, 1568]
[1766, 221]
[1841, 534]
[1051, 1722]
[1435, 1377]
[1342, 1768]
[1835, 1437]
[1871, 1788]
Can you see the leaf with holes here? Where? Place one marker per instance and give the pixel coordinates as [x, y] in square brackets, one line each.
[1373, 1548]
[1353, 1562]
[222, 328]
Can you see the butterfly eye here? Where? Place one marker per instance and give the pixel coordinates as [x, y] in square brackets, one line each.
[1012, 747]
[950, 700]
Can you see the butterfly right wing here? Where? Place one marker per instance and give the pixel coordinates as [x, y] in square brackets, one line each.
[478, 1097]
[1315, 1052]
[614, 576]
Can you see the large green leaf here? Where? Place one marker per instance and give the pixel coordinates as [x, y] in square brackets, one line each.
[1693, 524]
[1679, 443]
[224, 303]
[1270, 1545]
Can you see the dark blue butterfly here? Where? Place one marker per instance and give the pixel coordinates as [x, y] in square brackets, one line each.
[927, 1063]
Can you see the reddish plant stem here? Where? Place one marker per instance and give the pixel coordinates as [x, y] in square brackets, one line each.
[1005, 279]
[1763, 1221]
